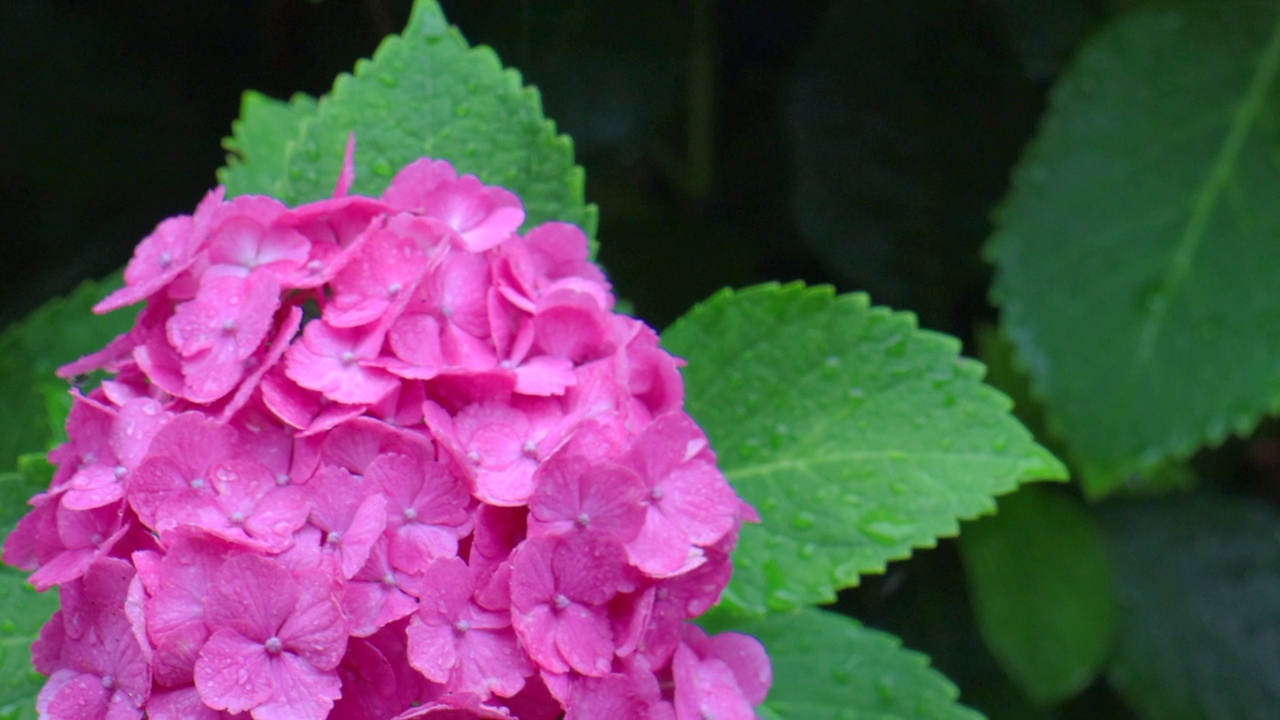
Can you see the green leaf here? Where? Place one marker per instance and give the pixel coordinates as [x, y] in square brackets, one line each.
[827, 666]
[1042, 591]
[1136, 253]
[857, 436]
[22, 612]
[58, 332]
[426, 93]
[1199, 602]
[258, 150]
[18, 487]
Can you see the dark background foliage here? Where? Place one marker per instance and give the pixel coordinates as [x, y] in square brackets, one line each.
[862, 143]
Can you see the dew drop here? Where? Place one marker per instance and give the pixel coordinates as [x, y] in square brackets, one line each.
[1000, 443]
[383, 168]
[807, 550]
[388, 80]
[778, 437]
[462, 110]
[803, 520]
[831, 367]
[842, 676]
[7, 626]
[885, 527]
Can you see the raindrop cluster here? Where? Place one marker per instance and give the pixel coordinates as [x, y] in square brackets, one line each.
[375, 458]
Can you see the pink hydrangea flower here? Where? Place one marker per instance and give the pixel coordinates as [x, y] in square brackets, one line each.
[375, 458]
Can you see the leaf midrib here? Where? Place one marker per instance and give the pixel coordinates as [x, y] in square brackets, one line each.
[1206, 201]
[889, 454]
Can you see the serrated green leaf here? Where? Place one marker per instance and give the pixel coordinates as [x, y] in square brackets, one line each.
[22, 612]
[427, 93]
[58, 332]
[857, 436]
[1199, 604]
[1136, 255]
[257, 151]
[827, 666]
[1042, 591]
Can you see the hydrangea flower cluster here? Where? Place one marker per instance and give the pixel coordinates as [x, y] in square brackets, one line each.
[375, 458]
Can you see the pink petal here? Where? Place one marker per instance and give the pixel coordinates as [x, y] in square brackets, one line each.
[233, 672]
[491, 662]
[584, 638]
[537, 632]
[253, 595]
[433, 649]
[300, 691]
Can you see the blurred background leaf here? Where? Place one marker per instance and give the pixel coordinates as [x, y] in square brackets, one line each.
[1136, 253]
[1199, 607]
[1042, 590]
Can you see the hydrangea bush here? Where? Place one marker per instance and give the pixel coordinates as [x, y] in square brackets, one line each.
[388, 450]
[373, 457]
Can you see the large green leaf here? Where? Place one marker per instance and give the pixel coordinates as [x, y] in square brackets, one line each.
[829, 667]
[58, 332]
[1042, 591]
[856, 435]
[1137, 252]
[1199, 582]
[259, 147]
[22, 612]
[427, 93]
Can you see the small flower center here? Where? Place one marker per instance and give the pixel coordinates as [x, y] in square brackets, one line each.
[348, 358]
[108, 681]
[164, 260]
[560, 601]
[96, 539]
[394, 289]
[333, 538]
[389, 580]
[120, 471]
[474, 457]
[461, 626]
[410, 514]
[530, 449]
[656, 494]
[236, 518]
[315, 266]
[282, 479]
[583, 520]
[273, 646]
[229, 327]
[197, 483]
